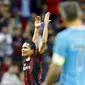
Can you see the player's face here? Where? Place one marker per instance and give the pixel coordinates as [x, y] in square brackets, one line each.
[26, 50]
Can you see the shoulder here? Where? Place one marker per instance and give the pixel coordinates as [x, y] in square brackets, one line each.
[37, 53]
[63, 34]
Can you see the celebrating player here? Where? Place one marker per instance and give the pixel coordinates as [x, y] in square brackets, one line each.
[32, 55]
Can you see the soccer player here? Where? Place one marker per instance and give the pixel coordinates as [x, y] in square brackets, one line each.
[32, 55]
[68, 58]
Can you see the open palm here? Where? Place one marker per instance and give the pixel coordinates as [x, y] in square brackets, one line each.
[38, 21]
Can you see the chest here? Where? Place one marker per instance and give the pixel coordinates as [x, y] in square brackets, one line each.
[32, 65]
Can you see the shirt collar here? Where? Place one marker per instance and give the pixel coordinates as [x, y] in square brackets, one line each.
[28, 59]
[78, 27]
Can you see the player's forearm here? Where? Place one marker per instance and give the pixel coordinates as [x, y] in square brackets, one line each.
[52, 75]
[35, 36]
[45, 34]
[44, 40]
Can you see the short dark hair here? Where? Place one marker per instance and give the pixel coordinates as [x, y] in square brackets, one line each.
[32, 44]
[70, 10]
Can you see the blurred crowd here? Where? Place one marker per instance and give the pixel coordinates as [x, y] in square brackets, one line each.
[17, 25]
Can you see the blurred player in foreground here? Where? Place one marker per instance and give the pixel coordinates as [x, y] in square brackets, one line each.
[32, 55]
[69, 49]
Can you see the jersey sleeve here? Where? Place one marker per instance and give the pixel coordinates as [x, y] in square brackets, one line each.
[37, 56]
[60, 49]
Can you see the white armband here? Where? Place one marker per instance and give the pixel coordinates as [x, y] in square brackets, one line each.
[57, 59]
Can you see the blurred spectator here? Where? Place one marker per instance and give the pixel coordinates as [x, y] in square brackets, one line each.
[6, 1]
[27, 34]
[2, 40]
[17, 15]
[6, 63]
[8, 41]
[4, 66]
[17, 44]
[21, 9]
[11, 25]
[10, 78]
[6, 11]
[5, 43]
[2, 17]
[21, 76]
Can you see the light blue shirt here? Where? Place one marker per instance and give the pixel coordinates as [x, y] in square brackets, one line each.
[70, 44]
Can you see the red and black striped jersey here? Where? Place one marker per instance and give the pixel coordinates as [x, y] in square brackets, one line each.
[31, 69]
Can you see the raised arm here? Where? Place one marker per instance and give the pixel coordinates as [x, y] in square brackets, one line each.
[45, 33]
[36, 31]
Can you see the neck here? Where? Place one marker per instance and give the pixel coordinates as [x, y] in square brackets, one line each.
[77, 22]
[26, 57]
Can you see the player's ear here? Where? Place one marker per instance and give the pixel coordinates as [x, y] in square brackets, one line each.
[61, 13]
[32, 51]
[59, 8]
[81, 15]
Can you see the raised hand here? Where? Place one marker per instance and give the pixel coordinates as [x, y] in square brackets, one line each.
[46, 19]
[37, 21]
[37, 24]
